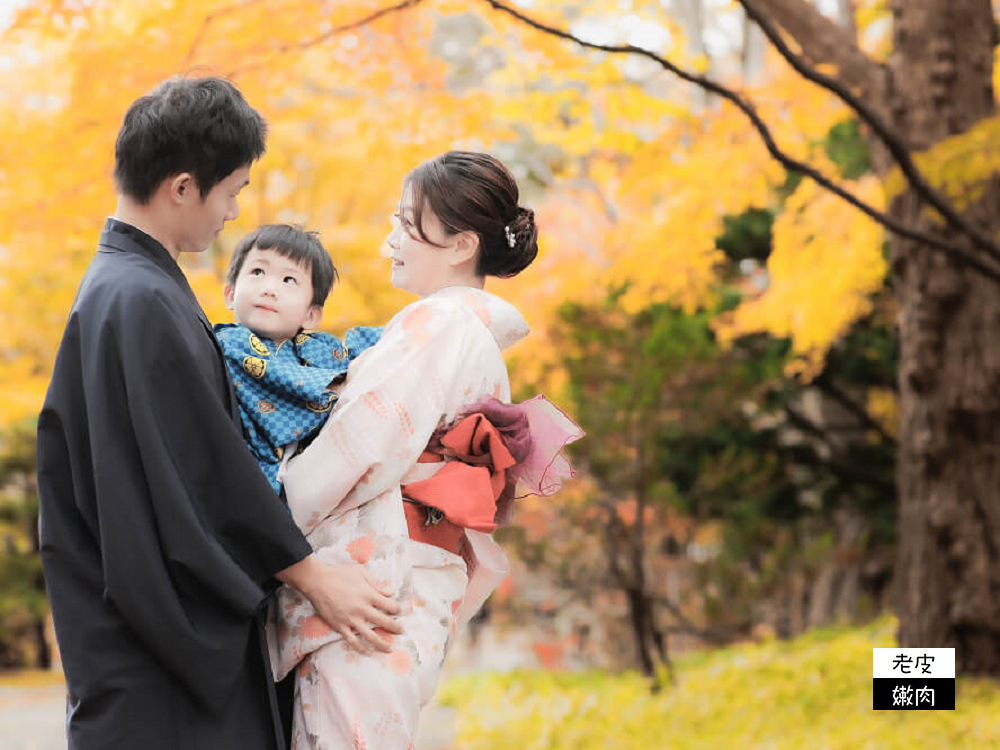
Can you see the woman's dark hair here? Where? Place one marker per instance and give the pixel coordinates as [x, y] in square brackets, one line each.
[474, 192]
[294, 243]
[199, 125]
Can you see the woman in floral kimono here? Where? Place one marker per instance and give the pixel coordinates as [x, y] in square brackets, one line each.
[420, 460]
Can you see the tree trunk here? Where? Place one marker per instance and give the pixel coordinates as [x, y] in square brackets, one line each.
[651, 645]
[948, 565]
[43, 655]
[637, 603]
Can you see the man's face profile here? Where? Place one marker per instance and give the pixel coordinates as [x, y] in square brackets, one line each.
[203, 219]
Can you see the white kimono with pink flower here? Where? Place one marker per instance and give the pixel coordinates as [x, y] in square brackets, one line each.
[437, 355]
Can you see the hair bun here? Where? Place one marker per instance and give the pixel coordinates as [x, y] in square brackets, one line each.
[519, 227]
[522, 245]
[471, 191]
[524, 220]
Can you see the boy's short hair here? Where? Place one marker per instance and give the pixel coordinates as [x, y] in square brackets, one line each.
[290, 242]
[199, 125]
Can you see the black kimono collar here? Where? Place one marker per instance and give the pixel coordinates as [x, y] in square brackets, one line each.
[122, 236]
[116, 230]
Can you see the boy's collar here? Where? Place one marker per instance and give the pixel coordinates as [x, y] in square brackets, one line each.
[276, 344]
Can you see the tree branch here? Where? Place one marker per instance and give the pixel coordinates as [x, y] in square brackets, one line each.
[892, 139]
[326, 35]
[959, 255]
[826, 385]
[822, 41]
[717, 635]
[812, 458]
[209, 19]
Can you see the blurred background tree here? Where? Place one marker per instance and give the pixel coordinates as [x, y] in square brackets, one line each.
[727, 496]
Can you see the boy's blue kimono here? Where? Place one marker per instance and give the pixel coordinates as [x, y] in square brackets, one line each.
[283, 389]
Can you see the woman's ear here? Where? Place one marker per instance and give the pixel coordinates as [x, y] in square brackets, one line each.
[313, 317]
[466, 247]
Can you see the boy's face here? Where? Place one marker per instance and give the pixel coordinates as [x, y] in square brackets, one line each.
[272, 295]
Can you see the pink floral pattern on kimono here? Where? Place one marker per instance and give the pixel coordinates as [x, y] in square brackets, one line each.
[436, 356]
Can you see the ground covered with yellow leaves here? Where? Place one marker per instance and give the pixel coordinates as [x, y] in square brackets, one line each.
[812, 692]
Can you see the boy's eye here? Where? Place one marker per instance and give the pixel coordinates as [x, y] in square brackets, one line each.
[291, 279]
[256, 271]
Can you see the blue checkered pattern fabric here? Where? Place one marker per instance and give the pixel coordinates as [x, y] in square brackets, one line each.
[282, 389]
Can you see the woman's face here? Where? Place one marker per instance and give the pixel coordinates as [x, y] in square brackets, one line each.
[417, 266]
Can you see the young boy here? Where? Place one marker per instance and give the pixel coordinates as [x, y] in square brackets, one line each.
[278, 280]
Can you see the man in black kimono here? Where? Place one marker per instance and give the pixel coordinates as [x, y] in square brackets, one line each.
[160, 536]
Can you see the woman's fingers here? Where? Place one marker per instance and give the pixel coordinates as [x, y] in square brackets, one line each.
[371, 638]
[353, 641]
[383, 605]
[382, 587]
[384, 621]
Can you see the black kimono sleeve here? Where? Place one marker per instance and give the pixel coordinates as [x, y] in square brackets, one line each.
[190, 532]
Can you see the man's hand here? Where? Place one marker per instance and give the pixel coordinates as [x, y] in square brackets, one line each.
[348, 598]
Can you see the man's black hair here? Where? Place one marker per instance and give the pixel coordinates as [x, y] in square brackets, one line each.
[199, 125]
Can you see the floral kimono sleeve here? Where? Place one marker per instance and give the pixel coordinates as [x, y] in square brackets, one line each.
[396, 395]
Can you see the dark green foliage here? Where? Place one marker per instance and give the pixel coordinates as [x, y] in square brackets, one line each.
[23, 604]
[747, 235]
[848, 150]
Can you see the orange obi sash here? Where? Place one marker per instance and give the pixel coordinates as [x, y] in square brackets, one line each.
[464, 493]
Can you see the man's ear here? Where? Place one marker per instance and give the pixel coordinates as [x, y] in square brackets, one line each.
[313, 318]
[182, 187]
[466, 247]
[229, 295]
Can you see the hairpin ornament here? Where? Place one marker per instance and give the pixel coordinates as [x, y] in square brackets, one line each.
[511, 236]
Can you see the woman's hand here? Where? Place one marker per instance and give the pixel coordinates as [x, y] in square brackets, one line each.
[348, 598]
